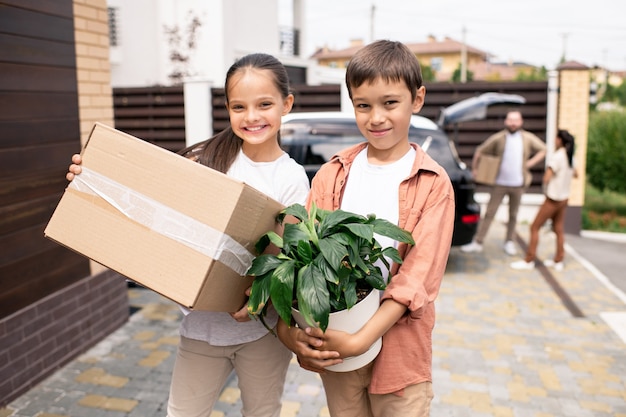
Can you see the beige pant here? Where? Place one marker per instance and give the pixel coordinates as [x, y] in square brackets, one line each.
[496, 196]
[347, 396]
[201, 371]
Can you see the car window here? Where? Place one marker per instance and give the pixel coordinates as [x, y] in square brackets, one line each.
[436, 145]
[311, 143]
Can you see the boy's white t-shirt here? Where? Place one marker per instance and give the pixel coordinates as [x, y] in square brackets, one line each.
[373, 189]
[286, 182]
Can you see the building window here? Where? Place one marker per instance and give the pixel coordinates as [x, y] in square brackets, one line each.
[436, 63]
[113, 26]
[289, 41]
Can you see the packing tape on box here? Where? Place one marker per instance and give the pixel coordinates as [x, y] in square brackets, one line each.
[165, 220]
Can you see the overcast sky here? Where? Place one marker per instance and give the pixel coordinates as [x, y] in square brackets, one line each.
[537, 32]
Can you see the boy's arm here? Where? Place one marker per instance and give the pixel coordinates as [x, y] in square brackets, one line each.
[316, 350]
[416, 282]
[347, 345]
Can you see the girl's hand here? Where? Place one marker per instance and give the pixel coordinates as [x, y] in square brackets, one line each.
[242, 315]
[75, 168]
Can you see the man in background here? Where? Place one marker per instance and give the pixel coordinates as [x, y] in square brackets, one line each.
[516, 151]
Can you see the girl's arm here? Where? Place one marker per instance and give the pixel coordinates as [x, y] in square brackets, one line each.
[547, 175]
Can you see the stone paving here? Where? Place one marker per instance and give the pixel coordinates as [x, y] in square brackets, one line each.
[505, 345]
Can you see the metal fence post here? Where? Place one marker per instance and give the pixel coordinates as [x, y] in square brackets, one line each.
[198, 111]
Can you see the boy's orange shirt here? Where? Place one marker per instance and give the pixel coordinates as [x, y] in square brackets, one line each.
[426, 203]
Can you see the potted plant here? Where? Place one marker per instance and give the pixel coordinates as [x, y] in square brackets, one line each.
[328, 261]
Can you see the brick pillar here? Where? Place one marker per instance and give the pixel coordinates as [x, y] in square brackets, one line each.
[93, 71]
[573, 115]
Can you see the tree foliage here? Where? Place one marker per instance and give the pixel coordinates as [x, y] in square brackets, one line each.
[456, 75]
[536, 74]
[182, 43]
[428, 75]
[606, 151]
[615, 94]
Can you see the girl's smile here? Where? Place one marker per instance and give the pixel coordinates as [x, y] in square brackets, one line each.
[255, 106]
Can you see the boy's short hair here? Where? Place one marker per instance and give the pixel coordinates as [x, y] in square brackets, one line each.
[386, 60]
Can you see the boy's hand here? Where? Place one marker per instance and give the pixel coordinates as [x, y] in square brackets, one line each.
[334, 340]
[305, 348]
[75, 168]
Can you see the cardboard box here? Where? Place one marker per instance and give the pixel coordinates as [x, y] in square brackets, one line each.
[487, 171]
[175, 226]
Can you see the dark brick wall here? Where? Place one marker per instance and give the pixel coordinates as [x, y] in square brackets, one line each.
[39, 339]
[50, 309]
[39, 130]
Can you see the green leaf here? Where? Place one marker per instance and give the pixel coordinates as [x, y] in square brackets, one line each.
[350, 294]
[263, 264]
[298, 211]
[275, 239]
[338, 217]
[266, 239]
[313, 297]
[360, 264]
[386, 228]
[375, 278]
[378, 256]
[305, 252]
[354, 251]
[293, 234]
[366, 231]
[333, 251]
[261, 244]
[281, 289]
[392, 253]
[259, 294]
[343, 238]
[327, 270]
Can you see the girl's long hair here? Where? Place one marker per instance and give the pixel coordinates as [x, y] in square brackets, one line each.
[568, 143]
[219, 151]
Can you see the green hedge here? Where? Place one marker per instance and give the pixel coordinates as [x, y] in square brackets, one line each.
[606, 151]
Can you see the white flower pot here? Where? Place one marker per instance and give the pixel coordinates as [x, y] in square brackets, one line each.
[350, 321]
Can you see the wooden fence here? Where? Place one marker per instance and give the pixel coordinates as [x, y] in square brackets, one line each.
[157, 114]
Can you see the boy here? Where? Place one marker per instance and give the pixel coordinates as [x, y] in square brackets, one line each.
[398, 181]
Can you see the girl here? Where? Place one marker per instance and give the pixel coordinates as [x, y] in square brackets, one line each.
[556, 181]
[212, 343]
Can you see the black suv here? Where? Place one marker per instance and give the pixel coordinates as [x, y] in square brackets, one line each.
[313, 138]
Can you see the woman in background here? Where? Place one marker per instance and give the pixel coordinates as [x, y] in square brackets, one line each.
[556, 183]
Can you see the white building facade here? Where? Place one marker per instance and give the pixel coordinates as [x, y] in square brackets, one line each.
[228, 29]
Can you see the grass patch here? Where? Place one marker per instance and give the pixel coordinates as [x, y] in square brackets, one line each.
[604, 210]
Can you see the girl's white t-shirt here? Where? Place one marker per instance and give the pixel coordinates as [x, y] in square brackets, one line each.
[286, 182]
[374, 189]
